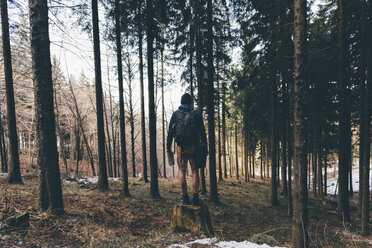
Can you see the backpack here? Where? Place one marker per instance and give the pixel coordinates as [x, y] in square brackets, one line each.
[186, 129]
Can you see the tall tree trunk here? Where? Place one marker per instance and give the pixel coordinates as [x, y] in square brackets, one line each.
[154, 188]
[108, 143]
[314, 159]
[15, 169]
[77, 147]
[4, 161]
[102, 175]
[131, 108]
[300, 237]
[363, 63]
[344, 135]
[319, 155]
[197, 9]
[163, 110]
[274, 141]
[191, 53]
[123, 148]
[367, 134]
[113, 134]
[142, 95]
[219, 126]
[325, 169]
[224, 131]
[236, 152]
[50, 182]
[210, 107]
[284, 140]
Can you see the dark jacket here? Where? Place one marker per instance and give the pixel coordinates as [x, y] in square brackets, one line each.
[200, 129]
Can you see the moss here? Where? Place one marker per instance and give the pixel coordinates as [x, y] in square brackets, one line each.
[263, 239]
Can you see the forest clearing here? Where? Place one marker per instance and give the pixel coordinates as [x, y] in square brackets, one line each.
[107, 219]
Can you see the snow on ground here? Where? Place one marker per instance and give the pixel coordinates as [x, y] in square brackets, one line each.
[221, 244]
[332, 187]
[86, 180]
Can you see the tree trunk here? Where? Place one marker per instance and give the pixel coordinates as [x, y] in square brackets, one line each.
[319, 155]
[236, 151]
[15, 169]
[344, 135]
[50, 182]
[191, 53]
[199, 79]
[224, 130]
[108, 143]
[274, 191]
[102, 175]
[113, 135]
[154, 188]
[325, 169]
[123, 148]
[131, 109]
[143, 122]
[300, 237]
[163, 109]
[210, 107]
[220, 178]
[4, 160]
[367, 134]
[284, 140]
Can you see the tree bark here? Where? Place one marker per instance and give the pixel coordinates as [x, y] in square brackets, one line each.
[50, 182]
[199, 78]
[344, 135]
[367, 134]
[210, 108]
[143, 122]
[163, 110]
[123, 148]
[154, 188]
[220, 178]
[15, 169]
[236, 151]
[274, 191]
[284, 140]
[102, 175]
[300, 237]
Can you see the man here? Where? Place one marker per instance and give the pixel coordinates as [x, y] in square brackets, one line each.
[187, 128]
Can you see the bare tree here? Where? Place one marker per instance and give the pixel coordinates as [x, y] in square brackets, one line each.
[15, 169]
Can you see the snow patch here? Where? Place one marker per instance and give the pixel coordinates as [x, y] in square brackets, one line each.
[87, 180]
[3, 175]
[332, 187]
[221, 244]
[84, 180]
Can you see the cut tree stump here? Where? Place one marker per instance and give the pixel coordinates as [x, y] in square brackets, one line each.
[20, 220]
[195, 219]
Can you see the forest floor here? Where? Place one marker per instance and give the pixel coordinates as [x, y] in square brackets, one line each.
[107, 219]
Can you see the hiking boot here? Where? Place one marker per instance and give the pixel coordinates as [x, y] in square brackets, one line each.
[185, 200]
[195, 199]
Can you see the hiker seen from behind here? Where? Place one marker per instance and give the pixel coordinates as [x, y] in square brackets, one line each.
[186, 127]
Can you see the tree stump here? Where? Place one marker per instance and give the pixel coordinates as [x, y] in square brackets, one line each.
[20, 220]
[193, 219]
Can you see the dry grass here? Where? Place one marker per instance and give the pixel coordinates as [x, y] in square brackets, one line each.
[107, 219]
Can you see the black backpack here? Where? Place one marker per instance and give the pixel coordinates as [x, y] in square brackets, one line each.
[186, 132]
